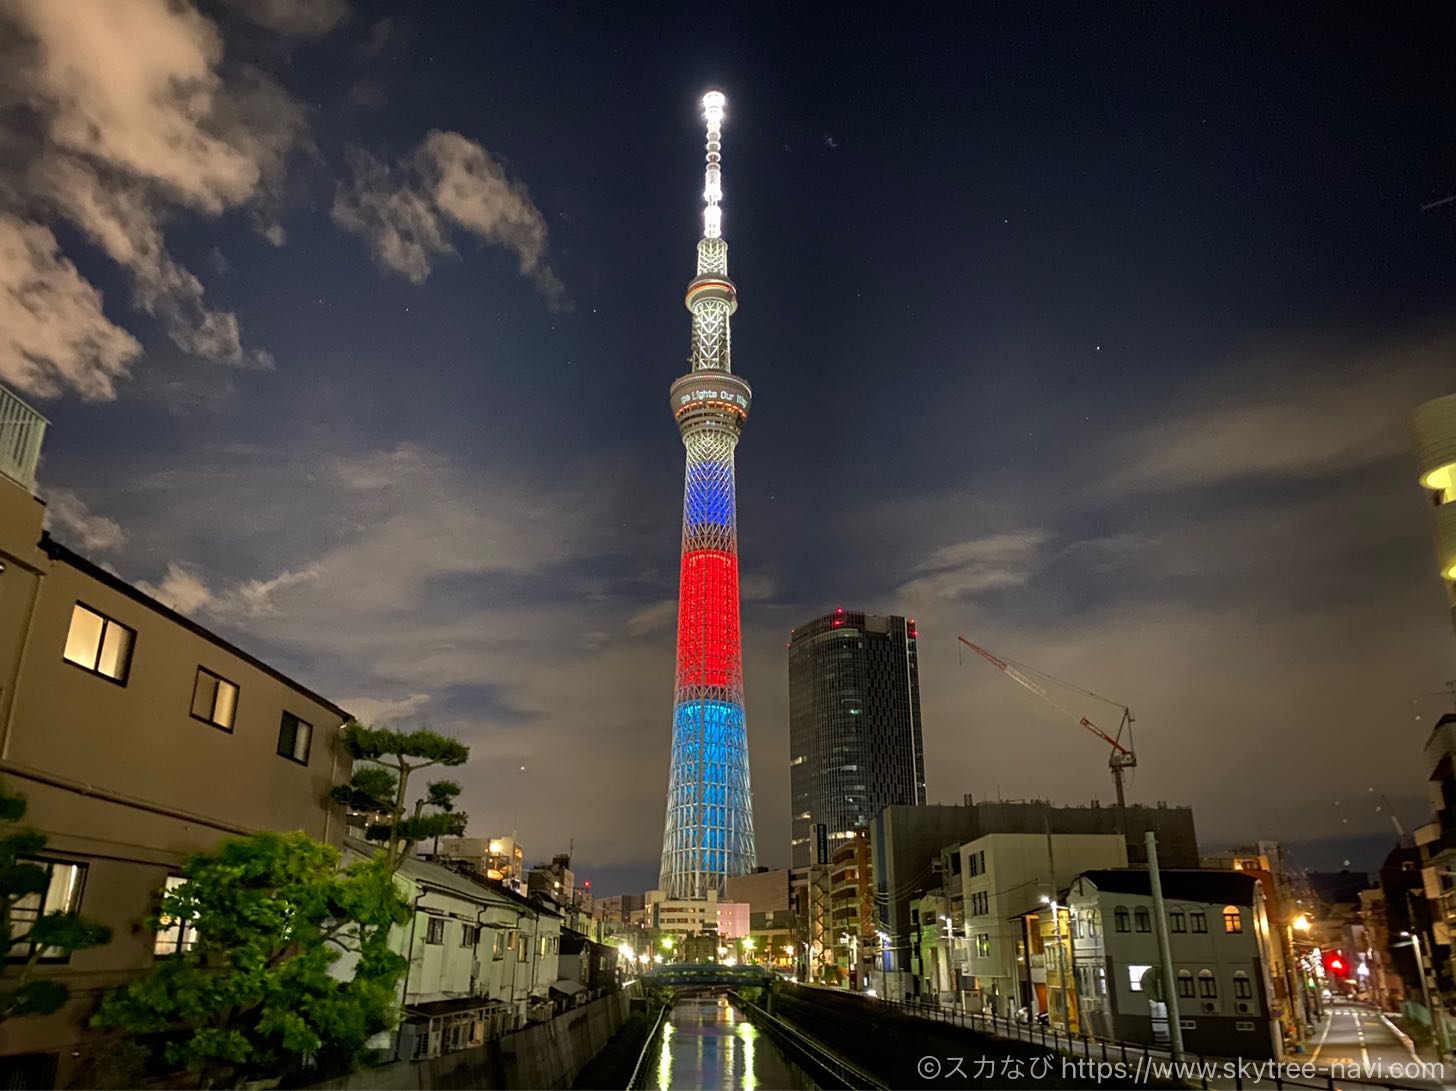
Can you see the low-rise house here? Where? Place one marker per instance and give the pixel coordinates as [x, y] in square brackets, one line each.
[482, 959]
[1218, 930]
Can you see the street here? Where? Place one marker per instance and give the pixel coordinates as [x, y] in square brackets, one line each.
[1355, 1034]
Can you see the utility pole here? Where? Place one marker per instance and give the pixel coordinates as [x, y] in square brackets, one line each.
[1438, 1015]
[1165, 949]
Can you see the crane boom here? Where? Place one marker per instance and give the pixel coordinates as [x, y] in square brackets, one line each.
[1122, 757]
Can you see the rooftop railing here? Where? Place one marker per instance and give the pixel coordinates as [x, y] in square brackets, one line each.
[21, 431]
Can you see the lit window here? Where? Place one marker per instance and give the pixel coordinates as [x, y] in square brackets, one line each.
[98, 644]
[983, 945]
[175, 936]
[1135, 974]
[62, 894]
[435, 930]
[1232, 922]
[498, 945]
[294, 737]
[214, 699]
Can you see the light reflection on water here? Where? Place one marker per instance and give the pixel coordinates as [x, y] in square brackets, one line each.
[708, 1044]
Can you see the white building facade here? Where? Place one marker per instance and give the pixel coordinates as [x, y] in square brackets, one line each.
[1218, 930]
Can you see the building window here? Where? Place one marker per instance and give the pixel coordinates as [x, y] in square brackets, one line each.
[1207, 986]
[1232, 922]
[1243, 988]
[1176, 922]
[294, 737]
[469, 933]
[1120, 919]
[62, 895]
[99, 644]
[498, 945]
[983, 945]
[1198, 921]
[214, 699]
[1185, 984]
[175, 936]
[1144, 919]
[1135, 975]
[435, 930]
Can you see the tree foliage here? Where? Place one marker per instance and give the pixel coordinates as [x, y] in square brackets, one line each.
[384, 760]
[255, 996]
[55, 933]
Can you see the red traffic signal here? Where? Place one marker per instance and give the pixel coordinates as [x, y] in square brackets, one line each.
[1336, 965]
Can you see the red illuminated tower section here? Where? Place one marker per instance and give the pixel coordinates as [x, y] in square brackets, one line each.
[709, 831]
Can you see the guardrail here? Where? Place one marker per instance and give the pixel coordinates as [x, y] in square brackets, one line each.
[826, 1068]
[650, 1049]
[1195, 1069]
[21, 432]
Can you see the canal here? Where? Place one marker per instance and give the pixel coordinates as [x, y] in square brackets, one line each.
[706, 1043]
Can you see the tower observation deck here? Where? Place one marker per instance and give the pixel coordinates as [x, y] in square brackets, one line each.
[709, 830]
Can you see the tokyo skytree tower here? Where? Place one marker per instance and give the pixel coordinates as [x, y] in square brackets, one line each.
[709, 830]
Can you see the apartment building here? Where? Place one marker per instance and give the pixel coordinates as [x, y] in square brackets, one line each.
[1218, 930]
[1008, 880]
[138, 737]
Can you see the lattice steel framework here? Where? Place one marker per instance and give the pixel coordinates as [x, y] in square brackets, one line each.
[709, 829]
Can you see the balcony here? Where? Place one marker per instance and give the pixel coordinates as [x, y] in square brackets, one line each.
[21, 432]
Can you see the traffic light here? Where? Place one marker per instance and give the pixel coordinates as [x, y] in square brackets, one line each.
[1336, 966]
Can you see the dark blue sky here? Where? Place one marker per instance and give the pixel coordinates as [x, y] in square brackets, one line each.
[1090, 333]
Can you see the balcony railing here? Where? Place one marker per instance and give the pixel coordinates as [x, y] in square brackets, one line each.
[21, 432]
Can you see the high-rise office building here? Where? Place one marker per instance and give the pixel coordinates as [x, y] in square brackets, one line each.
[708, 834]
[854, 725]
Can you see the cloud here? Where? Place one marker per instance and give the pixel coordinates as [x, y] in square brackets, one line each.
[68, 516]
[389, 710]
[655, 617]
[971, 567]
[295, 18]
[181, 588]
[135, 121]
[1299, 410]
[53, 333]
[405, 213]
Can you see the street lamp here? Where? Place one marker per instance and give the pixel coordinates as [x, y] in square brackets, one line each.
[1438, 1018]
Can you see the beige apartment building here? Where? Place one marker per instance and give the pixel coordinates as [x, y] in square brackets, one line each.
[137, 737]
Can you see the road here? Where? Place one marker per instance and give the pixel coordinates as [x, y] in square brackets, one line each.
[1355, 1034]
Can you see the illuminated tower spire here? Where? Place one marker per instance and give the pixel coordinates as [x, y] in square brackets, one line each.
[709, 830]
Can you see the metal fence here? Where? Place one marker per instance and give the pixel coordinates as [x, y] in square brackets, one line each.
[21, 432]
[1132, 1062]
[826, 1067]
[642, 1071]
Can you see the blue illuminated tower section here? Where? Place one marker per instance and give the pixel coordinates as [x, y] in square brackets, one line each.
[709, 830]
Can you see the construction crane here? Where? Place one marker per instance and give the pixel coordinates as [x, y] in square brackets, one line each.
[1121, 758]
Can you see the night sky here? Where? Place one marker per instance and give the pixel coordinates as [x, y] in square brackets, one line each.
[1090, 333]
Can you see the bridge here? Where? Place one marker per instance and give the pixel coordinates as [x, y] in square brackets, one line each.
[708, 974]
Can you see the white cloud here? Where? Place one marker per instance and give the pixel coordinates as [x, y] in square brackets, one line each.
[181, 588]
[404, 214]
[295, 18]
[971, 567]
[53, 334]
[137, 120]
[380, 711]
[655, 617]
[68, 516]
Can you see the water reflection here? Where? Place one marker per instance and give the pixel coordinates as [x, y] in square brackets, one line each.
[708, 1044]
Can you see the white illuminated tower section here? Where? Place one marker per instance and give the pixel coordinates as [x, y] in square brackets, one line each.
[709, 830]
